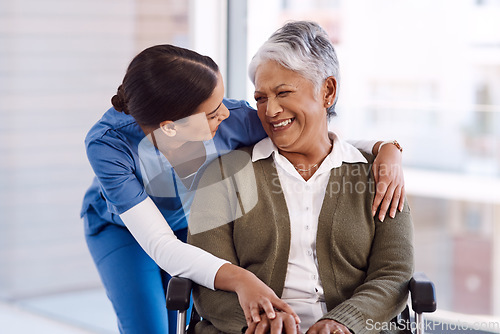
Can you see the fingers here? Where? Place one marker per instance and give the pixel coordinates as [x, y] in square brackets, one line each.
[283, 323]
[396, 198]
[381, 190]
[277, 327]
[251, 327]
[268, 309]
[384, 206]
[290, 325]
[284, 307]
[263, 326]
[398, 201]
[254, 314]
[286, 325]
[340, 331]
[328, 327]
[388, 175]
[390, 192]
[375, 170]
[402, 199]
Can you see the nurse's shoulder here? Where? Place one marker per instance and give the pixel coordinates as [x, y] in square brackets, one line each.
[241, 128]
[114, 124]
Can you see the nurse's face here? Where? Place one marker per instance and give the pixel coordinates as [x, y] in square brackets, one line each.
[213, 110]
[203, 124]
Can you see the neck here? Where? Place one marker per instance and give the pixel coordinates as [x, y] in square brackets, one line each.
[185, 157]
[307, 161]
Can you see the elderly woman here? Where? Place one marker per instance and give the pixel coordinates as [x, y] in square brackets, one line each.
[295, 209]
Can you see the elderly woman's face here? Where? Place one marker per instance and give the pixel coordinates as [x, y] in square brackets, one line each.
[292, 113]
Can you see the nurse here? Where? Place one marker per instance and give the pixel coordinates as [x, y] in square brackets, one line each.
[169, 120]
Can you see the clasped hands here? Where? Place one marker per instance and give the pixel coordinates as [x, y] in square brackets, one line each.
[285, 323]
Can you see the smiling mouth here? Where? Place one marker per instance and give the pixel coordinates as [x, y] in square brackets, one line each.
[283, 124]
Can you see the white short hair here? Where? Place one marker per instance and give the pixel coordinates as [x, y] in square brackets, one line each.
[303, 47]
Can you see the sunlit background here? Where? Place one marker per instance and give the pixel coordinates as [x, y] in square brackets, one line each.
[424, 72]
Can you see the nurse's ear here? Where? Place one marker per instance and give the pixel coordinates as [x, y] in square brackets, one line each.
[168, 128]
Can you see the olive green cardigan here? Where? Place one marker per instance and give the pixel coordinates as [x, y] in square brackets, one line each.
[240, 214]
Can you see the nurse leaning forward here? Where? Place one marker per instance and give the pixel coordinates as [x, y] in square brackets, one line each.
[169, 120]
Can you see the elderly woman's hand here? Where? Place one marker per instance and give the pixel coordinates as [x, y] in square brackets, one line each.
[328, 327]
[390, 188]
[281, 323]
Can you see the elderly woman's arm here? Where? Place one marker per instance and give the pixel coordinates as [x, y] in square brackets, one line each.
[384, 292]
[222, 308]
[215, 207]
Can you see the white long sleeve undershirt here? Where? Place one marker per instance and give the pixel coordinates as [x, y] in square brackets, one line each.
[363, 145]
[152, 232]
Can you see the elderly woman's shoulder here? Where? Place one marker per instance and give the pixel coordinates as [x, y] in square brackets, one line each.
[228, 165]
[237, 159]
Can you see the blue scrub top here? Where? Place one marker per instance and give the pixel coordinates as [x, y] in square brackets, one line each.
[127, 165]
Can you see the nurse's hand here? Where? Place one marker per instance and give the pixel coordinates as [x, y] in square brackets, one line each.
[255, 297]
[389, 180]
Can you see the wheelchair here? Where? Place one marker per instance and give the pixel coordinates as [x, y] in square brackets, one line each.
[422, 294]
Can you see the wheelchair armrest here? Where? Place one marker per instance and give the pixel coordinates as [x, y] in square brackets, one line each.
[179, 294]
[423, 296]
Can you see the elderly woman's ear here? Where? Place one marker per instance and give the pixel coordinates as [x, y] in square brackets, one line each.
[330, 91]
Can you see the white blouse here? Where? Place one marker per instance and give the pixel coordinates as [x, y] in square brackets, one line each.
[303, 289]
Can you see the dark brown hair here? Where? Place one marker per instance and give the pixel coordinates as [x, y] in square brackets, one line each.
[165, 82]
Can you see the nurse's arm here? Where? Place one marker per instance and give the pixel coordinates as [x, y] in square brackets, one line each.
[152, 232]
[389, 179]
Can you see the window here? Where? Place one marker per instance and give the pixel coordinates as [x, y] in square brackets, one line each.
[426, 73]
[60, 64]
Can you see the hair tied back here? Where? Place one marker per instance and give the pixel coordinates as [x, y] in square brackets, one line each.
[119, 100]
